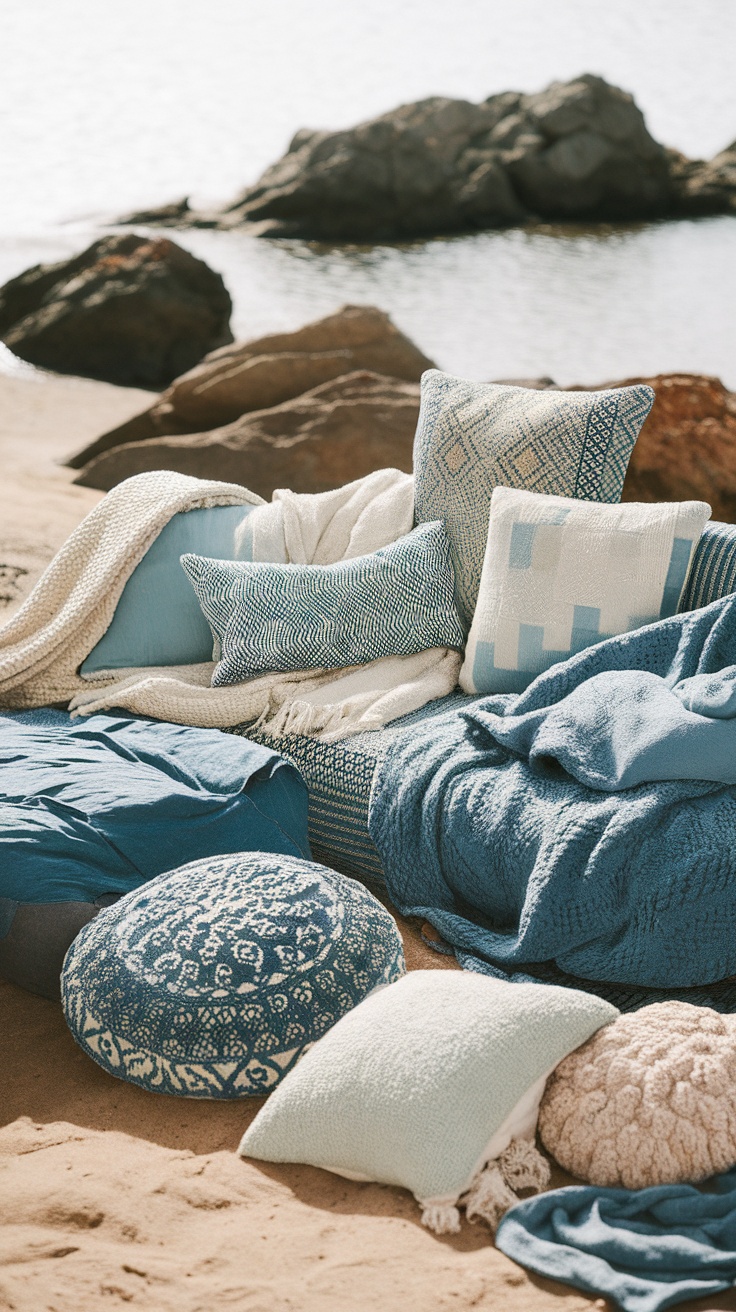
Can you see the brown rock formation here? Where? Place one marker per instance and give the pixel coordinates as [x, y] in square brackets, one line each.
[328, 436]
[129, 309]
[687, 447]
[259, 374]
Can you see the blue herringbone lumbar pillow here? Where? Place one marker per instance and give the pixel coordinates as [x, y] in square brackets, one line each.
[395, 602]
[472, 437]
[213, 980]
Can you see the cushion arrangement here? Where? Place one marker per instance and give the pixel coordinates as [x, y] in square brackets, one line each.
[264, 617]
[560, 574]
[425, 1082]
[472, 437]
[212, 980]
[93, 808]
[650, 1101]
[157, 620]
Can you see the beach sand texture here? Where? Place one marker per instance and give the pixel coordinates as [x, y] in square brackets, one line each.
[111, 1197]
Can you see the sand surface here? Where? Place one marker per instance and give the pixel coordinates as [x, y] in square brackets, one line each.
[111, 1197]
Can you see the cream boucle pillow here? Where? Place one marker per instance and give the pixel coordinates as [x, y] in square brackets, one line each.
[649, 1099]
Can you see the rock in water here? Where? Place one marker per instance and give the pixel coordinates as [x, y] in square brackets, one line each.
[129, 309]
[578, 149]
[263, 373]
[330, 435]
[687, 447]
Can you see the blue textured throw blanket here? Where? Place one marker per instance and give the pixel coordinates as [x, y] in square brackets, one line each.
[589, 821]
[645, 1249]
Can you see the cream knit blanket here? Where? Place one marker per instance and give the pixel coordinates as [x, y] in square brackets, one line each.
[73, 603]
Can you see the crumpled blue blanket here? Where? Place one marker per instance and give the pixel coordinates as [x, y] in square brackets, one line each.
[589, 821]
[645, 1249]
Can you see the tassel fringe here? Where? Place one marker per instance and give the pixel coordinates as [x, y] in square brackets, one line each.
[493, 1191]
[443, 1218]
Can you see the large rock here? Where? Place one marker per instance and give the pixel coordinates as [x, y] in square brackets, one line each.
[578, 149]
[330, 435]
[687, 447]
[129, 309]
[259, 374]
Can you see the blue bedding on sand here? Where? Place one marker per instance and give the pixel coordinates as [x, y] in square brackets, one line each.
[589, 821]
[96, 806]
[644, 1249]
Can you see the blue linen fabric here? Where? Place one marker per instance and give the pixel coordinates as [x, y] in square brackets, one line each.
[214, 979]
[157, 620]
[471, 437]
[267, 618]
[518, 862]
[93, 808]
[645, 1249]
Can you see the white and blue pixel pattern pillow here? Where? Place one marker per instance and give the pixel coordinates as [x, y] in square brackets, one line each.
[560, 575]
[213, 980]
[472, 437]
[266, 617]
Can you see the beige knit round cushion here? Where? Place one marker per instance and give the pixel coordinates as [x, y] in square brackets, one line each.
[650, 1099]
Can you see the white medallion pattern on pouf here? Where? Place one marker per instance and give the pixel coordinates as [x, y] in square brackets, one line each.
[212, 981]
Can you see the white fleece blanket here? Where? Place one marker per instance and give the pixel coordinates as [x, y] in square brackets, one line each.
[73, 603]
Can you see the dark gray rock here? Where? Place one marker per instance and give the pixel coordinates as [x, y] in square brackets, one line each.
[576, 150]
[705, 186]
[129, 309]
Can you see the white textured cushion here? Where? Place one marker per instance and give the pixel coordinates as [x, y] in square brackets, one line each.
[561, 574]
[413, 1086]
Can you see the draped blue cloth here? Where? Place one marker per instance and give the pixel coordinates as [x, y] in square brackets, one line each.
[589, 821]
[645, 1249]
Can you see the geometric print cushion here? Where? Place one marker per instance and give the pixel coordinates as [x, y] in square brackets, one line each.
[472, 437]
[266, 617]
[213, 980]
[560, 575]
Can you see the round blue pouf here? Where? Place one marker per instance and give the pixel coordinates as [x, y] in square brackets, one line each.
[212, 981]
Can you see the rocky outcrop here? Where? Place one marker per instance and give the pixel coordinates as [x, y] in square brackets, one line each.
[705, 186]
[259, 374]
[578, 150]
[687, 447]
[129, 309]
[328, 436]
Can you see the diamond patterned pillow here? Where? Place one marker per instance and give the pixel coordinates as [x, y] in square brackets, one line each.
[473, 436]
[266, 618]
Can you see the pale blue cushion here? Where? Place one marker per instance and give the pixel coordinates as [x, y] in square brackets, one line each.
[412, 1086]
[212, 980]
[157, 620]
[472, 437]
[394, 602]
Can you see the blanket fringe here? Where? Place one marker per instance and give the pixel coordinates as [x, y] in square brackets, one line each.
[493, 1191]
[443, 1218]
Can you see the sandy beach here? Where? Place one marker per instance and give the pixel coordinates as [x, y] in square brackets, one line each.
[114, 1197]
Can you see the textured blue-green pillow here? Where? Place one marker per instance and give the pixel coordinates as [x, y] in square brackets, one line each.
[425, 1082]
[471, 437]
[264, 618]
[211, 981]
[157, 620]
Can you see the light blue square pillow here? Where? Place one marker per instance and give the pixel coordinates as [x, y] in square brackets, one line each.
[157, 620]
[427, 1081]
[560, 575]
[472, 437]
[266, 618]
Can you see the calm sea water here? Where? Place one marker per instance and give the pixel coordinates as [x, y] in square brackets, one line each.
[105, 107]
